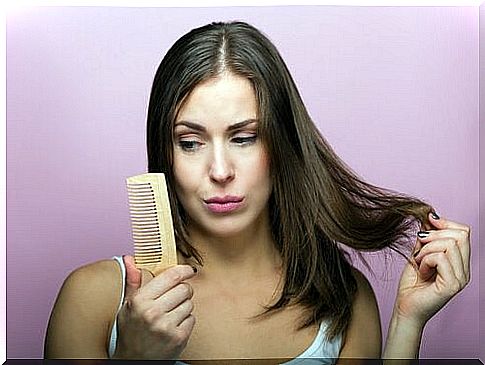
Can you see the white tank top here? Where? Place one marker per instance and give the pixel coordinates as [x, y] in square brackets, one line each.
[318, 353]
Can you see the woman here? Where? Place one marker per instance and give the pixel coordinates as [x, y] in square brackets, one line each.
[263, 210]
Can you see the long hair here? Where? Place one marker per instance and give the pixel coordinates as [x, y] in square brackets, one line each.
[318, 204]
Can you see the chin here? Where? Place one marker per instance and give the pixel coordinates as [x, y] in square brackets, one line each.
[226, 228]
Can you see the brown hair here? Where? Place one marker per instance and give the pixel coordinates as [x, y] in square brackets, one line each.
[317, 204]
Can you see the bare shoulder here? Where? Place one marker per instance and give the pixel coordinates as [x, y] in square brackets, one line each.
[96, 286]
[84, 311]
[363, 338]
[96, 283]
[102, 276]
[364, 289]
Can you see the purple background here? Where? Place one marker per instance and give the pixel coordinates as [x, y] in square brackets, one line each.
[394, 90]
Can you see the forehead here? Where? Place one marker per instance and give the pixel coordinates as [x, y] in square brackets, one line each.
[222, 101]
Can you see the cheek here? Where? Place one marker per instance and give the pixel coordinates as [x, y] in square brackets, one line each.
[184, 175]
[261, 168]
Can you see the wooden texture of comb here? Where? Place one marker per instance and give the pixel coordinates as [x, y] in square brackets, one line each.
[151, 222]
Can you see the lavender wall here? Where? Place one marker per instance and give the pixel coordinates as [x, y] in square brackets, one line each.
[395, 91]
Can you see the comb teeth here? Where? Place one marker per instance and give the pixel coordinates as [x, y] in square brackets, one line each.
[151, 222]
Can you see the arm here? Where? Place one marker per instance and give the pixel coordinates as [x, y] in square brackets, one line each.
[83, 312]
[363, 337]
[403, 340]
[439, 269]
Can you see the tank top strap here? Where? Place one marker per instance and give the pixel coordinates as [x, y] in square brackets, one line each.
[114, 330]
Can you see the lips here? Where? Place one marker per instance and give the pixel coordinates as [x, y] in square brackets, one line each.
[224, 200]
[224, 204]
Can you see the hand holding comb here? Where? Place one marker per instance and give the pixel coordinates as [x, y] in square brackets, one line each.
[151, 222]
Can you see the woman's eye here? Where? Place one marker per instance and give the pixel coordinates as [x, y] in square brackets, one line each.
[245, 140]
[189, 145]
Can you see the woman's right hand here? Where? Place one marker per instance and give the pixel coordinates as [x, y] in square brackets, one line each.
[155, 321]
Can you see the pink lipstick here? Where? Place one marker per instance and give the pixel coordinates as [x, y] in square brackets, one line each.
[224, 204]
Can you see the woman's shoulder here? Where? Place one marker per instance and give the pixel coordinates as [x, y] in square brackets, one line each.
[95, 286]
[364, 288]
[106, 269]
[365, 302]
[101, 275]
[365, 319]
[84, 310]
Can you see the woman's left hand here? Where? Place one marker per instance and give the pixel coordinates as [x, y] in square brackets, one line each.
[441, 270]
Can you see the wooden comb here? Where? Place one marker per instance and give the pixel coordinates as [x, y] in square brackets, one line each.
[151, 222]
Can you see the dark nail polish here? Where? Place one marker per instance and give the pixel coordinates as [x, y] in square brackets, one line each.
[423, 234]
[434, 215]
[195, 269]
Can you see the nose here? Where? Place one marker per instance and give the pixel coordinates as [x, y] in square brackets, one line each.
[221, 169]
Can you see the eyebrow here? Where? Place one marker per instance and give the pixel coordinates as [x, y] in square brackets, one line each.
[201, 128]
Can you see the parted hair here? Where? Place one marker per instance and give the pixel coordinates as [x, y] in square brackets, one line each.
[319, 207]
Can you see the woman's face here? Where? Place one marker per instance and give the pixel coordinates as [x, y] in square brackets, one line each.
[220, 163]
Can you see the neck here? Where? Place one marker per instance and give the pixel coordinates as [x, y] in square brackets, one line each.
[251, 253]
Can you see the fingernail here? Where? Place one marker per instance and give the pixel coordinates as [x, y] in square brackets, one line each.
[416, 253]
[423, 234]
[435, 216]
[195, 269]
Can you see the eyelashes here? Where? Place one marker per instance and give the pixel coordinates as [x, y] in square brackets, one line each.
[191, 145]
[244, 140]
